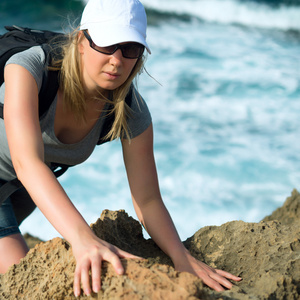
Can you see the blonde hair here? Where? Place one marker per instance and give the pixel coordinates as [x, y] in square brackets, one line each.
[66, 59]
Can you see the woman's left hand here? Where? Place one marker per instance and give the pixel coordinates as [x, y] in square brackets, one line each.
[214, 278]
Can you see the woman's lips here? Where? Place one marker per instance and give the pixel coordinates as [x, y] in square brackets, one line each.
[112, 75]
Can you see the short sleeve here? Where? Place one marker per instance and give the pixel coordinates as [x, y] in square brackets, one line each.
[33, 60]
[140, 117]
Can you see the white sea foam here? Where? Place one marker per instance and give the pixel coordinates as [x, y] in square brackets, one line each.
[253, 14]
[232, 12]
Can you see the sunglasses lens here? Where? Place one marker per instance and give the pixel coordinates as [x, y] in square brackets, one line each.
[132, 50]
[105, 50]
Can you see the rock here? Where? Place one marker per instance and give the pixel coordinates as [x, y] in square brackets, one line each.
[289, 213]
[31, 241]
[265, 254]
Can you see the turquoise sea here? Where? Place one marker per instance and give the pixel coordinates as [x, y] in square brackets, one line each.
[226, 110]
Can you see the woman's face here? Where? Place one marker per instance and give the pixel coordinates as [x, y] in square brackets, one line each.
[103, 71]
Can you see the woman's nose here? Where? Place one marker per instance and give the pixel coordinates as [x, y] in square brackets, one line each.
[116, 58]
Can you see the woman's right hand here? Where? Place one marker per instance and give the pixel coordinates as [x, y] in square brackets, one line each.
[89, 255]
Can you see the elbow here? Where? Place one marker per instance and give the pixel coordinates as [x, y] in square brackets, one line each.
[24, 167]
[19, 167]
[26, 159]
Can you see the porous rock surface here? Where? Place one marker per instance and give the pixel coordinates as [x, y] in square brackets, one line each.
[265, 254]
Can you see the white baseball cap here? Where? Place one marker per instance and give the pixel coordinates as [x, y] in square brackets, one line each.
[112, 22]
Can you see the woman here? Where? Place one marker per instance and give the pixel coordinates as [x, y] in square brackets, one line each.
[97, 68]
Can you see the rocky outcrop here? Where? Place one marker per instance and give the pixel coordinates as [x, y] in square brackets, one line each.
[265, 254]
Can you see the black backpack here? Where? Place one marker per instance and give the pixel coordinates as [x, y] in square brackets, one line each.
[18, 39]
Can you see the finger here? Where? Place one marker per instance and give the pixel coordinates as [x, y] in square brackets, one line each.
[228, 275]
[124, 254]
[85, 278]
[115, 261]
[76, 283]
[221, 280]
[210, 282]
[96, 275]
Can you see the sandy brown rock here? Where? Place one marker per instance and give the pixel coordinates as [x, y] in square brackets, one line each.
[31, 241]
[47, 271]
[289, 212]
[43, 274]
[265, 254]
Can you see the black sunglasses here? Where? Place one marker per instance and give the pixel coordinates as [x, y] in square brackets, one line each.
[129, 50]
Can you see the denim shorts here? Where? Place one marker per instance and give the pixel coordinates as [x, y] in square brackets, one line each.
[14, 210]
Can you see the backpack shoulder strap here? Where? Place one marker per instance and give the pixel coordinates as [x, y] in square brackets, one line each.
[50, 84]
[49, 88]
[18, 39]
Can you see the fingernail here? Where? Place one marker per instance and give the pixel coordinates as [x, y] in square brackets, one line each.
[76, 293]
[120, 271]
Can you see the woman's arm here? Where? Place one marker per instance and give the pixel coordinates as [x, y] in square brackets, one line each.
[27, 153]
[27, 149]
[150, 209]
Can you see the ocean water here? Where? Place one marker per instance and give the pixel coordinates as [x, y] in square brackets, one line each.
[225, 103]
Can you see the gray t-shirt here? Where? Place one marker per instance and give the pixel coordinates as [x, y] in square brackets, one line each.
[56, 151]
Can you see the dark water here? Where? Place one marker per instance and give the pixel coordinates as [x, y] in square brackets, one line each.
[53, 14]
